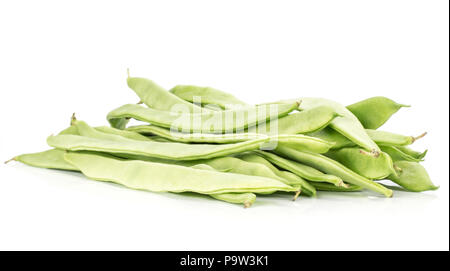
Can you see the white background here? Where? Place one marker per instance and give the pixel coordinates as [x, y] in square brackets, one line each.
[60, 57]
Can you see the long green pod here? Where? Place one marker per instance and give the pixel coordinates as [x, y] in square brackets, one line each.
[227, 121]
[333, 188]
[304, 171]
[221, 164]
[331, 166]
[52, 159]
[156, 97]
[392, 139]
[375, 111]
[91, 139]
[398, 155]
[247, 199]
[302, 122]
[158, 177]
[378, 136]
[348, 125]
[288, 177]
[207, 95]
[301, 142]
[412, 176]
[170, 150]
[365, 165]
[416, 154]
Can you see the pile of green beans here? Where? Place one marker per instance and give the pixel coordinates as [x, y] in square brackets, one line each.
[203, 140]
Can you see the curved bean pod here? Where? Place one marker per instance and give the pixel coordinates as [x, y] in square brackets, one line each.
[412, 176]
[398, 155]
[239, 198]
[375, 111]
[157, 97]
[387, 138]
[206, 122]
[379, 137]
[348, 125]
[52, 159]
[208, 95]
[330, 166]
[333, 188]
[304, 171]
[172, 150]
[305, 121]
[301, 142]
[158, 177]
[288, 177]
[365, 165]
[415, 154]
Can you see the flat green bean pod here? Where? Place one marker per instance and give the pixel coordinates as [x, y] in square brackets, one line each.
[239, 198]
[288, 177]
[330, 166]
[391, 139]
[301, 142]
[52, 159]
[227, 121]
[415, 154]
[365, 165]
[306, 121]
[379, 137]
[398, 155]
[169, 150]
[207, 95]
[412, 176]
[304, 171]
[333, 188]
[347, 125]
[375, 111]
[158, 177]
[157, 97]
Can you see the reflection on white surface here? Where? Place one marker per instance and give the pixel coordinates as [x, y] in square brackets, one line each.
[78, 213]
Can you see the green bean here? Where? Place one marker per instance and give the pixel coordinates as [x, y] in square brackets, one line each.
[91, 139]
[207, 122]
[330, 135]
[194, 137]
[157, 97]
[158, 177]
[391, 139]
[240, 198]
[412, 176]
[300, 142]
[221, 164]
[379, 137]
[306, 121]
[123, 133]
[375, 111]
[365, 165]
[330, 166]
[208, 95]
[172, 150]
[304, 171]
[398, 155]
[288, 177]
[333, 188]
[53, 159]
[415, 154]
[348, 125]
